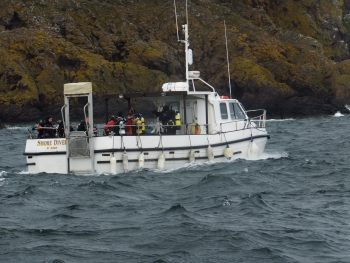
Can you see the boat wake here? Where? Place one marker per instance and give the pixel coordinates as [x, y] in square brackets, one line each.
[24, 172]
[270, 155]
[189, 166]
[199, 166]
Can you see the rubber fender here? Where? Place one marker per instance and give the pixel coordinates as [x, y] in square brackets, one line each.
[141, 160]
[228, 153]
[161, 161]
[192, 157]
[125, 162]
[210, 154]
[113, 163]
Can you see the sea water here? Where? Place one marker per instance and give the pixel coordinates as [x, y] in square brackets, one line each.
[290, 205]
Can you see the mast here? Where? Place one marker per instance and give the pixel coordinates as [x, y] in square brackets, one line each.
[187, 53]
[228, 63]
[187, 45]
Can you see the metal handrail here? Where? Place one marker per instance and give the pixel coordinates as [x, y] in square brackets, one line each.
[260, 118]
[87, 104]
[186, 128]
[223, 127]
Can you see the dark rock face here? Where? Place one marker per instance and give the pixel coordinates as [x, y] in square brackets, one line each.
[290, 57]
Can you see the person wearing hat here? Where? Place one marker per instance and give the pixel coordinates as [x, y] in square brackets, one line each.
[46, 129]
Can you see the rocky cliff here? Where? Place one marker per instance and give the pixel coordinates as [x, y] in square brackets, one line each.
[290, 57]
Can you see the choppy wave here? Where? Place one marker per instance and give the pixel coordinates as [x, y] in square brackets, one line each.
[24, 172]
[2, 180]
[289, 205]
[273, 154]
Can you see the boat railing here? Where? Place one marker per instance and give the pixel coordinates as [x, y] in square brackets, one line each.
[187, 129]
[33, 132]
[259, 121]
[258, 117]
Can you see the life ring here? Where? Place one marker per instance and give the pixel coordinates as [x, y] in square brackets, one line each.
[195, 128]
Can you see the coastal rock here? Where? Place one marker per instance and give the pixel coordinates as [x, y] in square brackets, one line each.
[290, 57]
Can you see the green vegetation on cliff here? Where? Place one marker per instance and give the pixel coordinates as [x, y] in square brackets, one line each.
[290, 57]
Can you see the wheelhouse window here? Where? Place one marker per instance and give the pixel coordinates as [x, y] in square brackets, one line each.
[236, 112]
[223, 111]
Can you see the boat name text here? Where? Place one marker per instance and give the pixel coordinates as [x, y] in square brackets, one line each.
[51, 142]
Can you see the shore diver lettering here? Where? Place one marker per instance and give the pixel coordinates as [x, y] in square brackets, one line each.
[59, 142]
[51, 143]
[44, 143]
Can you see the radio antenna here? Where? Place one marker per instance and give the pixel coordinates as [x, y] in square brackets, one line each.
[186, 15]
[177, 27]
[228, 63]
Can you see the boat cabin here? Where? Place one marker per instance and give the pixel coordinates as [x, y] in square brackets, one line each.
[208, 112]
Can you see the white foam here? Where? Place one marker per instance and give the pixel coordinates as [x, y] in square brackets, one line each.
[24, 172]
[270, 155]
[99, 173]
[272, 120]
[187, 166]
[2, 180]
[9, 127]
[338, 114]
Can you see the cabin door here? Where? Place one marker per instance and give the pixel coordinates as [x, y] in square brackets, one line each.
[189, 112]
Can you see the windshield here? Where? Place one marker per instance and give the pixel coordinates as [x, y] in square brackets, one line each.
[223, 111]
[236, 111]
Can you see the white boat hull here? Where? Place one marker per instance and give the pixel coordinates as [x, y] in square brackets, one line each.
[49, 155]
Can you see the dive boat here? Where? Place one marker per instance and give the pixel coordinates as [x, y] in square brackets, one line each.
[209, 128]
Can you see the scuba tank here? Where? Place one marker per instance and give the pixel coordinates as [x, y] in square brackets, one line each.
[143, 126]
[121, 128]
[138, 126]
[178, 120]
[56, 132]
